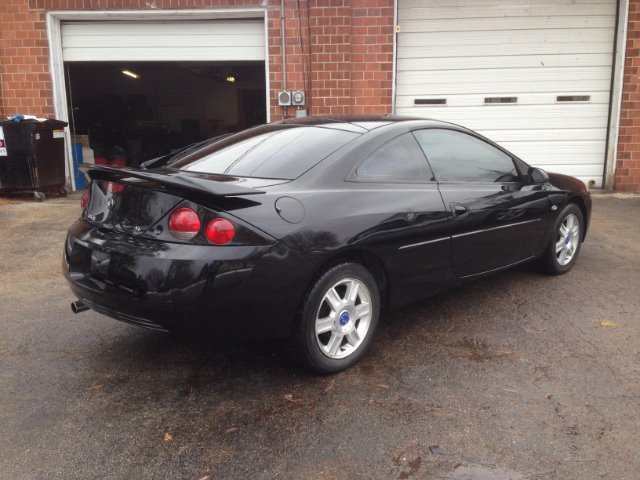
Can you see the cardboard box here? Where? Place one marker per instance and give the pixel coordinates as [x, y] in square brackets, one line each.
[81, 139]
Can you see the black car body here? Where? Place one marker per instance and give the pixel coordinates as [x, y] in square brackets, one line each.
[337, 190]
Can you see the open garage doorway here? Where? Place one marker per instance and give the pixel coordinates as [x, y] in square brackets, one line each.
[129, 112]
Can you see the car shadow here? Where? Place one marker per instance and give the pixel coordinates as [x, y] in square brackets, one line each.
[224, 396]
[206, 356]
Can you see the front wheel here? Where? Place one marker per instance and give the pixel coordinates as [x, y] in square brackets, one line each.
[564, 246]
[339, 319]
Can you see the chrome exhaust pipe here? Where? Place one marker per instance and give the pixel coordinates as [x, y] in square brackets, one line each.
[78, 306]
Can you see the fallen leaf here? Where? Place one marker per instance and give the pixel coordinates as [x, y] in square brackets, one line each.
[230, 430]
[206, 477]
[382, 385]
[168, 437]
[330, 386]
[289, 398]
[607, 324]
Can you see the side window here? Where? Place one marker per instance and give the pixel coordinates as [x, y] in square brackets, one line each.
[399, 160]
[458, 157]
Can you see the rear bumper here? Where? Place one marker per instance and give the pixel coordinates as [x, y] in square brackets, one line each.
[231, 290]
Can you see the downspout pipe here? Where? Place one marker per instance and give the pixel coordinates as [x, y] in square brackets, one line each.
[284, 53]
[394, 69]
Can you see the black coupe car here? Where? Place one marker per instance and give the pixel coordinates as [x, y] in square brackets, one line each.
[305, 229]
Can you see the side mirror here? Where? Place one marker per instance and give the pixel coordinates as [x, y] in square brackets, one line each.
[538, 175]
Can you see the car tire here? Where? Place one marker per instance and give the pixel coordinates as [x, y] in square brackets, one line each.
[566, 240]
[337, 323]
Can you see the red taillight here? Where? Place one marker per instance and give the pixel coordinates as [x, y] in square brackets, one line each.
[84, 201]
[184, 223]
[220, 231]
[114, 187]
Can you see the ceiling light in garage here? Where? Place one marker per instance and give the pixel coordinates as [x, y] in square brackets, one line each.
[231, 79]
[129, 73]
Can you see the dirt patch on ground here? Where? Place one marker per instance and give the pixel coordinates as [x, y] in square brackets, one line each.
[7, 200]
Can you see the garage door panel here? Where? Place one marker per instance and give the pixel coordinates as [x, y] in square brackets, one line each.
[539, 62]
[144, 41]
[547, 135]
[167, 54]
[465, 100]
[407, 4]
[558, 87]
[503, 123]
[497, 118]
[215, 40]
[504, 9]
[514, 23]
[505, 75]
[568, 152]
[477, 50]
[428, 40]
[164, 29]
[499, 11]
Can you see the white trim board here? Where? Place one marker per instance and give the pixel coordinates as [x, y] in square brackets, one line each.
[616, 94]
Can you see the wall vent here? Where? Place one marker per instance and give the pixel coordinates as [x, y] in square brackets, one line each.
[499, 100]
[430, 101]
[573, 98]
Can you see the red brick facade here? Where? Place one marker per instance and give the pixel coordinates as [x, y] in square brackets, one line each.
[25, 82]
[344, 48]
[339, 51]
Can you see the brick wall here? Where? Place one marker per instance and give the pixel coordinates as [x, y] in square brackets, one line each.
[25, 83]
[627, 177]
[339, 51]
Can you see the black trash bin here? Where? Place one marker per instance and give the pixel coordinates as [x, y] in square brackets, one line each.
[32, 157]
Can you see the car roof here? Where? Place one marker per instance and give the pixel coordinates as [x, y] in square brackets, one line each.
[362, 123]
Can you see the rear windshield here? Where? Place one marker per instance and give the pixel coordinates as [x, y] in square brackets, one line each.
[272, 151]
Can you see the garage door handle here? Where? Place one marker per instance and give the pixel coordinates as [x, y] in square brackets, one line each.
[459, 210]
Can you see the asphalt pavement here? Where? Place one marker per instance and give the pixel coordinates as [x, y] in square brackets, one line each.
[515, 376]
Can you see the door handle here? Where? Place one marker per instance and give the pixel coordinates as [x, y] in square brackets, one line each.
[459, 210]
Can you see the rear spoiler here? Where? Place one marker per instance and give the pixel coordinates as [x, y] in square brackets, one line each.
[177, 181]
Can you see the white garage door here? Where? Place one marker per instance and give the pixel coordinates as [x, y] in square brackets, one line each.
[211, 40]
[532, 75]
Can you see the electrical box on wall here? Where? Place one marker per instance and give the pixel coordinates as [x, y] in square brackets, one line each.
[298, 97]
[284, 98]
[287, 98]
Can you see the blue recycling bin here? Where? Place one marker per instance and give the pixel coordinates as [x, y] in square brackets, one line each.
[76, 152]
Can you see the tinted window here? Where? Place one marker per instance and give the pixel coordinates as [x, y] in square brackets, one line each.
[456, 156]
[281, 152]
[399, 160]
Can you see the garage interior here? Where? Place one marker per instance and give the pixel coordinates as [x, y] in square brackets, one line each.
[129, 112]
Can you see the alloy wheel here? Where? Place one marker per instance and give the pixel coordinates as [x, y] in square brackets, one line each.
[567, 239]
[343, 318]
